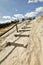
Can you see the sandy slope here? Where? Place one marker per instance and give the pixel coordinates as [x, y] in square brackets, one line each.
[33, 54]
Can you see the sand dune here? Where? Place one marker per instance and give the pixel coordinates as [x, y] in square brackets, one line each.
[32, 54]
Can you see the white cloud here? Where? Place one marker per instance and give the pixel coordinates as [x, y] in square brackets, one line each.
[7, 17]
[34, 1]
[34, 13]
[6, 21]
[41, 0]
[13, 18]
[39, 9]
[19, 16]
[31, 14]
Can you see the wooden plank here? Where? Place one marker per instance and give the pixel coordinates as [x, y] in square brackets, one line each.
[23, 30]
[17, 44]
[21, 35]
[26, 27]
[23, 40]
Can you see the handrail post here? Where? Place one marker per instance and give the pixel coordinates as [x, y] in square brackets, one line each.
[16, 27]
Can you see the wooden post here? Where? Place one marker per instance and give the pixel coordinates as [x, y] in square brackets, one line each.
[16, 27]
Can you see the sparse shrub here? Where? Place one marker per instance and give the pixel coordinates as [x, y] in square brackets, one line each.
[23, 19]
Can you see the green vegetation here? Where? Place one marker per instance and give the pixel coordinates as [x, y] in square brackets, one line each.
[7, 24]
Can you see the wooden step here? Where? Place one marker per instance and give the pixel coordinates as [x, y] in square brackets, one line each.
[16, 44]
[23, 30]
[26, 27]
[21, 35]
[13, 44]
[23, 40]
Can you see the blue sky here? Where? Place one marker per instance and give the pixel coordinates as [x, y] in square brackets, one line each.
[19, 8]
